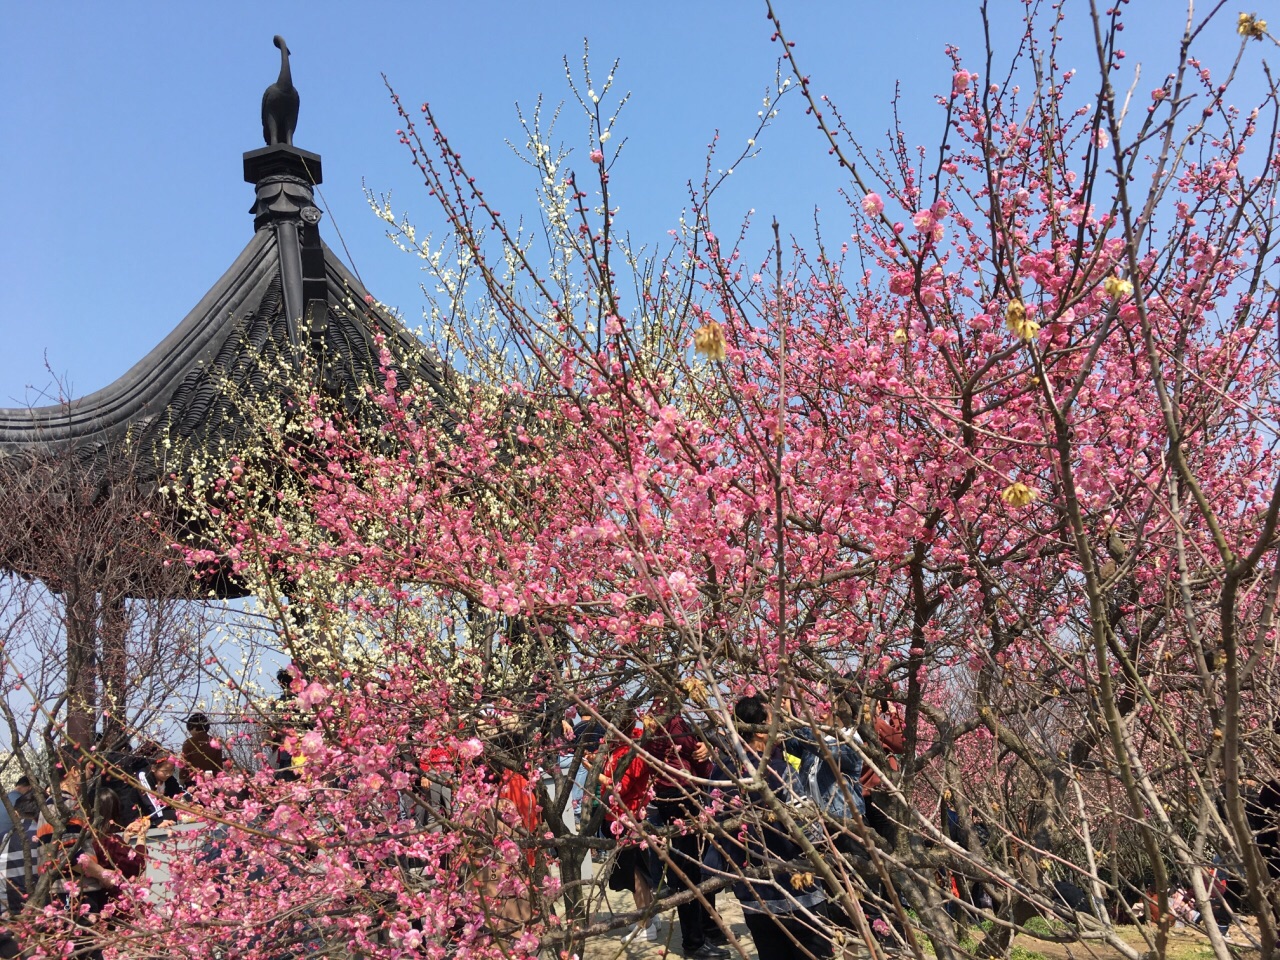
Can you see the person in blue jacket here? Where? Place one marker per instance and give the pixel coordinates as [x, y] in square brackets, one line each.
[830, 767]
[783, 904]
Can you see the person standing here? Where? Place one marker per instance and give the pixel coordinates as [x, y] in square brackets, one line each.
[20, 789]
[199, 753]
[507, 883]
[679, 755]
[20, 847]
[785, 909]
[890, 731]
[286, 716]
[625, 787]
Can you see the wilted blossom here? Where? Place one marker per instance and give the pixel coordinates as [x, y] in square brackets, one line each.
[709, 341]
[695, 689]
[1250, 26]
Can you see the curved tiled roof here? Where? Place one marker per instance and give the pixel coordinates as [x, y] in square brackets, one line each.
[181, 382]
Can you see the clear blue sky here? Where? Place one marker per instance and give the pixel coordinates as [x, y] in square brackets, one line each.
[122, 127]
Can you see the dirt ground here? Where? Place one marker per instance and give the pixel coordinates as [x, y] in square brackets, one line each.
[1185, 944]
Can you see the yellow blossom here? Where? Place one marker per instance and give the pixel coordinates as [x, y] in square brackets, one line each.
[1018, 494]
[1250, 26]
[709, 341]
[801, 880]
[1015, 318]
[1117, 287]
[900, 336]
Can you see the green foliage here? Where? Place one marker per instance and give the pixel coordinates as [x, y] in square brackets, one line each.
[1040, 927]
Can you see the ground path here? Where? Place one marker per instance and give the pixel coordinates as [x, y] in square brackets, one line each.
[1184, 944]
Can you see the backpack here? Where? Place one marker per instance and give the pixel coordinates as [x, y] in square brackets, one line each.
[832, 801]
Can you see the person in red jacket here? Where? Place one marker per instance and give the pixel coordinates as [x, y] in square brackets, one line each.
[680, 754]
[625, 785]
[890, 730]
[506, 886]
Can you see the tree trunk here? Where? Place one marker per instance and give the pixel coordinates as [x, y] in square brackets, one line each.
[82, 665]
[114, 628]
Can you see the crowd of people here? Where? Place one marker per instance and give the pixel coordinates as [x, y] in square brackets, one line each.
[92, 829]
[652, 778]
[697, 809]
[772, 800]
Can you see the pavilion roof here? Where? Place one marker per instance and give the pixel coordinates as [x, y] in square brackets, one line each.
[284, 294]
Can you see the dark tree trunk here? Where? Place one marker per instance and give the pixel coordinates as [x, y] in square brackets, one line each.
[82, 665]
[114, 629]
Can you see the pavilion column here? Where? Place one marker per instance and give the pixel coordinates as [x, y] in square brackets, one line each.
[82, 664]
[113, 631]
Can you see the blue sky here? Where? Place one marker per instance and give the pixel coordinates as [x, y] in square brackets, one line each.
[123, 126]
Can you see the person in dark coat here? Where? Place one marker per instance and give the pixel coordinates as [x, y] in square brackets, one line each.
[785, 909]
[674, 744]
[20, 843]
[889, 728]
[1262, 809]
[198, 751]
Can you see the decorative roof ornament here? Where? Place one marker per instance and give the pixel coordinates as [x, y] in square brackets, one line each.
[283, 174]
[280, 103]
